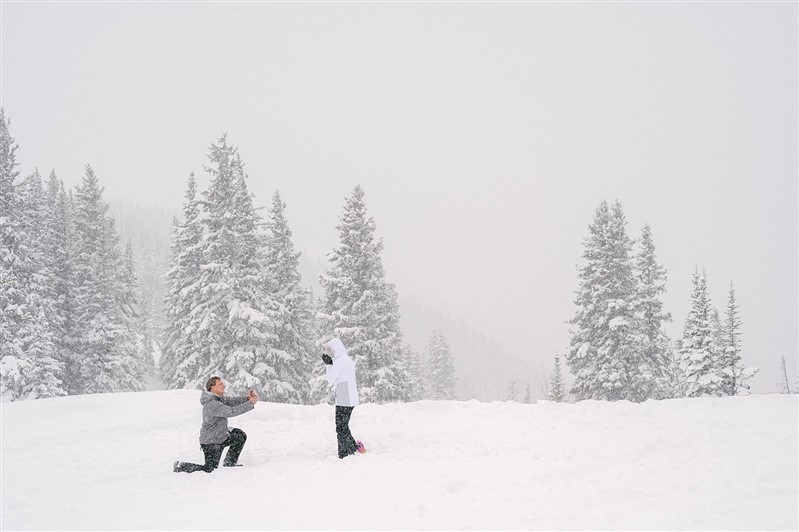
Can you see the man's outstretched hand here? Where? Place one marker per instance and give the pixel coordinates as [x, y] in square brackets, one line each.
[252, 397]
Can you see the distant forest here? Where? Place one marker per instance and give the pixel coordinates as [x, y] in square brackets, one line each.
[95, 303]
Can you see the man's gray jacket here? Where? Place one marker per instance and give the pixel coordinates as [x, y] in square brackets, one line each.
[216, 410]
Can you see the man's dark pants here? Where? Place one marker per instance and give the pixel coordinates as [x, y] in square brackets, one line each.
[213, 452]
[346, 443]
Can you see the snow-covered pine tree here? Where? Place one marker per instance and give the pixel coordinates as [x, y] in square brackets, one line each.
[718, 338]
[730, 345]
[416, 381]
[130, 307]
[60, 246]
[13, 360]
[734, 373]
[91, 291]
[9, 230]
[699, 354]
[557, 389]
[105, 341]
[233, 319]
[440, 368]
[606, 348]
[293, 347]
[45, 376]
[28, 367]
[124, 317]
[528, 394]
[361, 308]
[655, 375]
[73, 338]
[30, 320]
[184, 359]
[512, 394]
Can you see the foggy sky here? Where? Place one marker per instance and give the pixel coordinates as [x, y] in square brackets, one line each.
[484, 135]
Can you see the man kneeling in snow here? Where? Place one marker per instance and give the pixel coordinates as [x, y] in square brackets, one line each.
[214, 434]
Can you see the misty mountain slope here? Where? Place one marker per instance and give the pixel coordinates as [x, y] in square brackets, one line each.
[104, 462]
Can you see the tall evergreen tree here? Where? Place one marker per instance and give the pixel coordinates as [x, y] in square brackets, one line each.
[45, 378]
[717, 328]
[440, 368]
[9, 226]
[557, 389]
[606, 351]
[28, 367]
[106, 343]
[60, 246]
[361, 306]
[184, 360]
[699, 352]
[13, 361]
[233, 320]
[735, 375]
[293, 346]
[656, 356]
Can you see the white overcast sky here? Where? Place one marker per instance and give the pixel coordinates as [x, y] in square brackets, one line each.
[484, 134]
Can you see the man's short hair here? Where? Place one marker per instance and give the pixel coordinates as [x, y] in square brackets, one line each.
[210, 383]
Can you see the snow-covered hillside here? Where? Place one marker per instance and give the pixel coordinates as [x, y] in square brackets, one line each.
[105, 462]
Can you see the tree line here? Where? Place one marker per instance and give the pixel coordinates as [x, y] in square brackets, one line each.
[236, 305]
[619, 348]
[70, 321]
[69, 316]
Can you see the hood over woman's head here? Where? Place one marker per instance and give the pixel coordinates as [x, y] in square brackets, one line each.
[337, 348]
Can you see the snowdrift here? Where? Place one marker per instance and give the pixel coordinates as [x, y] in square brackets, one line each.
[104, 462]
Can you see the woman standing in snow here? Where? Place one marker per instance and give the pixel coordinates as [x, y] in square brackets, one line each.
[341, 376]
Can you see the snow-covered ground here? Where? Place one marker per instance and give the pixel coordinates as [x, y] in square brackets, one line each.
[105, 462]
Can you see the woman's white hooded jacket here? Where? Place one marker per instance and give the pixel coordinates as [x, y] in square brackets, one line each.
[341, 375]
